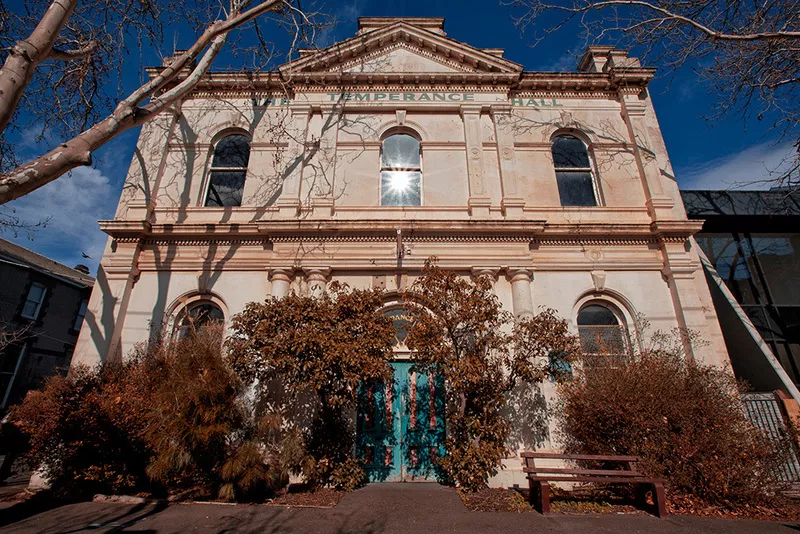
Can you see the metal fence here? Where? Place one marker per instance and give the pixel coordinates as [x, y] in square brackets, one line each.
[764, 411]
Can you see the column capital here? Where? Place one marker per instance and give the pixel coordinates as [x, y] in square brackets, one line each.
[283, 274]
[520, 273]
[471, 109]
[317, 273]
[491, 272]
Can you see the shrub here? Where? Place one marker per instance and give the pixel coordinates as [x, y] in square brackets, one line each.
[167, 418]
[311, 354]
[460, 331]
[685, 420]
[87, 431]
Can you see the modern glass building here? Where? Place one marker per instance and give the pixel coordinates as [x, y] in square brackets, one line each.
[752, 240]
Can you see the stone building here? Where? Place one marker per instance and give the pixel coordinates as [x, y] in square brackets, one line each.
[42, 306]
[359, 161]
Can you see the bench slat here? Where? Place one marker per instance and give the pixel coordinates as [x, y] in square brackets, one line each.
[588, 472]
[559, 456]
[603, 480]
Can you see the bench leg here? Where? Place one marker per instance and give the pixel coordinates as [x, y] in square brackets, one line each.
[539, 495]
[660, 499]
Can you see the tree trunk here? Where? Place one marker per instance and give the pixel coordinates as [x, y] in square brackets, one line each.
[26, 55]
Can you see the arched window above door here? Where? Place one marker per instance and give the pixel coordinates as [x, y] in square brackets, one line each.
[196, 315]
[401, 171]
[228, 171]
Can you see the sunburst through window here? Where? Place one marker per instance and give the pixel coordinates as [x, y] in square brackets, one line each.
[401, 171]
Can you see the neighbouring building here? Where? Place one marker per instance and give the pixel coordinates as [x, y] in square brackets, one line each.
[359, 161]
[42, 307]
[751, 246]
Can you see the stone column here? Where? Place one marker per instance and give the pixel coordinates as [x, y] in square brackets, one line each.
[281, 280]
[479, 201]
[317, 280]
[521, 295]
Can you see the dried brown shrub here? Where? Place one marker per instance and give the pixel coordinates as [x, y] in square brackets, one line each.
[685, 420]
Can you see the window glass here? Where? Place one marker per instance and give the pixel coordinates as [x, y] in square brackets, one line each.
[225, 188]
[228, 171]
[400, 188]
[400, 321]
[33, 302]
[232, 151]
[81, 315]
[602, 337]
[199, 315]
[575, 189]
[734, 265]
[569, 152]
[400, 151]
[779, 256]
[573, 172]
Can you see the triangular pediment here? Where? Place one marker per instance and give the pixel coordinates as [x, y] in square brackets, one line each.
[401, 48]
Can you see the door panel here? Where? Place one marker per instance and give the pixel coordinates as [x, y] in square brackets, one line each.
[401, 428]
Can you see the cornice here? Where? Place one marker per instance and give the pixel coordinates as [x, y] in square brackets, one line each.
[536, 232]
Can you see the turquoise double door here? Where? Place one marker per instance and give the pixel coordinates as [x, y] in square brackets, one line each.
[400, 426]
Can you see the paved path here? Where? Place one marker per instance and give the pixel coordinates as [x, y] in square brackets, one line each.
[385, 508]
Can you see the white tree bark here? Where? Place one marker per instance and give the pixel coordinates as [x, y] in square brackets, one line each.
[129, 113]
[25, 56]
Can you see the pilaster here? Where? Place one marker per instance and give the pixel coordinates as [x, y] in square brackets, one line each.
[633, 111]
[297, 133]
[512, 202]
[478, 202]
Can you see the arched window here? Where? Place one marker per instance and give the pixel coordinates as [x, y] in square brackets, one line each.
[228, 171]
[401, 171]
[197, 315]
[401, 322]
[573, 172]
[603, 336]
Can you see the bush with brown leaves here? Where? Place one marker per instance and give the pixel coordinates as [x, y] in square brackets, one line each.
[685, 420]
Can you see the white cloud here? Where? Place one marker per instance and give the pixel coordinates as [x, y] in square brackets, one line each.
[75, 203]
[752, 168]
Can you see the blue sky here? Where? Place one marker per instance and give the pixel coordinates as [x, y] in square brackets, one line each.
[705, 155]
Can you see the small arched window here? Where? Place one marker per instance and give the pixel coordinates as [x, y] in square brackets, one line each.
[228, 171]
[401, 171]
[573, 172]
[197, 315]
[603, 336]
[401, 323]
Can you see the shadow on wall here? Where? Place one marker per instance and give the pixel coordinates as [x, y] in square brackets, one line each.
[527, 408]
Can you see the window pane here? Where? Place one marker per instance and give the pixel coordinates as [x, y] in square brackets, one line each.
[400, 151]
[780, 261]
[232, 151]
[400, 322]
[400, 188]
[570, 152]
[734, 266]
[200, 315]
[35, 293]
[225, 188]
[595, 314]
[576, 189]
[29, 310]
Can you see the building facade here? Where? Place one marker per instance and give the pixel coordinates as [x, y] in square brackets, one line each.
[42, 306]
[359, 161]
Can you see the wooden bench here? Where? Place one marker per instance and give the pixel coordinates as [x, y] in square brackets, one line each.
[540, 476]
